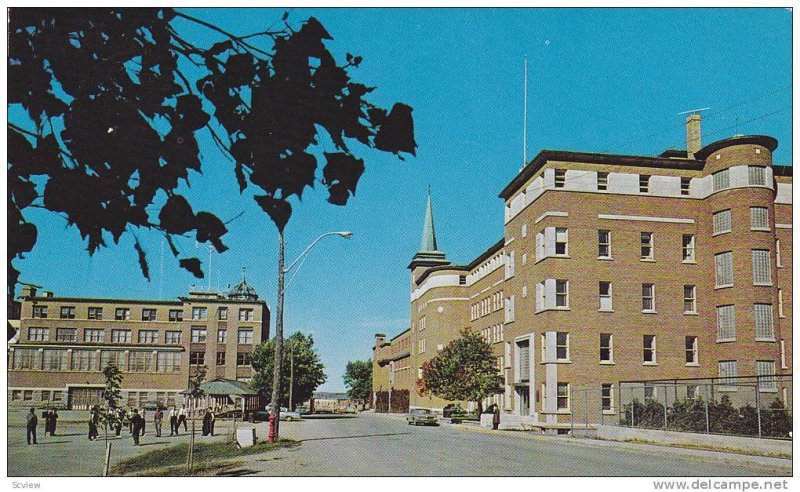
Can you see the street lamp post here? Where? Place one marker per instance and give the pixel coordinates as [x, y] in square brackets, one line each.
[275, 409]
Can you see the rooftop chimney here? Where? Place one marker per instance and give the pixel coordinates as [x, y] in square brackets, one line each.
[28, 291]
[693, 140]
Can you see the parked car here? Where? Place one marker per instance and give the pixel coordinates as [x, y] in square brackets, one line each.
[263, 415]
[422, 416]
[450, 409]
[302, 410]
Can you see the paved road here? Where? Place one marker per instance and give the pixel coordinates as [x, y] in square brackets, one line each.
[384, 445]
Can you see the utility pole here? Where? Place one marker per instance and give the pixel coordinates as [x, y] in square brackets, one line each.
[275, 403]
[291, 375]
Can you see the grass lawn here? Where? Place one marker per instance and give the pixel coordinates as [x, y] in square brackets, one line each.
[208, 459]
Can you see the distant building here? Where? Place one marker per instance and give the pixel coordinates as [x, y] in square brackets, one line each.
[64, 343]
[326, 402]
[614, 268]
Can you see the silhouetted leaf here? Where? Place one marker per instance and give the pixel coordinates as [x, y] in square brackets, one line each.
[176, 216]
[396, 134]
[278, 210]
[341, 174]
[142, 259]
[192, 265]
[210, 228]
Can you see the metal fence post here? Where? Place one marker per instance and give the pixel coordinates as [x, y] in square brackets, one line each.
[586, 409]
[633, 409]
[571, 413]
[665, 407]
[708, 425]
[758, 405]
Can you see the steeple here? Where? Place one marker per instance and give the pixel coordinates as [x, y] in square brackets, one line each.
[428, 254]
[428, 243]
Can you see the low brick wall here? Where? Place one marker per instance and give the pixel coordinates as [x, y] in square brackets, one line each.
[751, 445]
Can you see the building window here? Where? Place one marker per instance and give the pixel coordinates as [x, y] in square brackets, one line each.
[199, 313]
[561, 241]
[148, 314]
[756, 176]
[602, 181]
[563, 396]
[220, 358]
[685, 186]
[688, 248]
[562, 293]
[759, 218]
[38, 334]
[604, 243]
[780, 304]
[723, 263]
[66, 335]
[691, 391]
[763, 319]
[122, 314]
[607, 395]
[691, 351]
[169, 362]
[561, 178]
[510, 264]
[648, 297]
[649, 349]
[67, 312]
[647, 245]
[524, 231]
[606, 301]
[27, 395]
[84, 360]
[722, 221]
[93, 335]
[765, 370]
[245, 336]
[40, 312]
[722, 180]
[562, 346]
[726, 323]
[462, 280]
[222, 336]
[95, 313]
[113, 357]
[222, 313]
[245, 315]
[689, 299]
[727, 375]
[199, 335]
[421, 346]
[176, 314]
[16, 395]
[121, 336]
[644, 183]
[606, 348]
[148, 336]
[649, 391]
[197, 358]
[26, 359]
[761, 267]
[541, 251]
[509, 309]
[172, 337]
[244, 358]
[54, 360]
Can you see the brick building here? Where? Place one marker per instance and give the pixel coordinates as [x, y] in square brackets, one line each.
[64, 343]
[616, 268]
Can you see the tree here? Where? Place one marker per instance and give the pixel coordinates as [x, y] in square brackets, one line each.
[358, 380]
[196, 381]
[106, 105]
[111, 395]
[309, 373]
[466, 369]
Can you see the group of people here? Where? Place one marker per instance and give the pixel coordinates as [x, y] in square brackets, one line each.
[32, 421]
[135, 421]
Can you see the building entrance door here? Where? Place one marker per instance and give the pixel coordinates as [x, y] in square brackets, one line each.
[84, 398]
[524, 399]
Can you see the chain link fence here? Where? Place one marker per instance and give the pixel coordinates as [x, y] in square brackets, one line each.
[758, 406]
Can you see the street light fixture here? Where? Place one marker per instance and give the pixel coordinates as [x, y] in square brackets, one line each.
[275, 409]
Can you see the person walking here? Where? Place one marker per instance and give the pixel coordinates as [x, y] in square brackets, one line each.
[144, 420]
[137, 424]
[213, 421]
[120, 419]
[173, 421]
[158, 417]
[182, 418]
[207, 422]
[46, 418]
[31, 423]
[53, 421]
[93, 418]
[496, 417]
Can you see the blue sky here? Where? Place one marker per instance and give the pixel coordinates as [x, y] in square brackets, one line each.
[600, 80]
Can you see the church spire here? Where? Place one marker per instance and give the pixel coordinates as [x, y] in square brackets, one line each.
[428, 243]
[428, 254]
